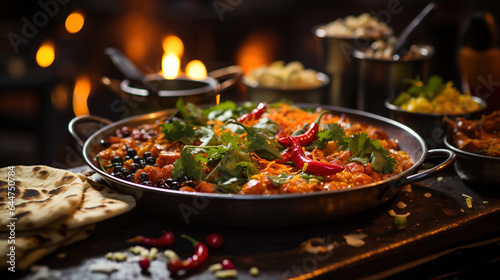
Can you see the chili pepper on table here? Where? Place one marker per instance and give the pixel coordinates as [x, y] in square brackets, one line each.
[195, 261]
[255, 114]
[309, 165]
[227, 264]
[167, 239]
[214, 240]
[307, 137]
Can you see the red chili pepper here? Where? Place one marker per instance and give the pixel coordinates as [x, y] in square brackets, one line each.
[144, 263]
[286, 156]
[306, 138]
[214, 240]
[227, 264]
[198, 259]
[309, 165]
[167, 239]
[255, 114]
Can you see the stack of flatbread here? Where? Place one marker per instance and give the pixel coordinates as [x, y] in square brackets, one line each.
[52, 208]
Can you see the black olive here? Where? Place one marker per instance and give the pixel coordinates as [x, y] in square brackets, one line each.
[148, 183]
[138, 159]
[134, 167]
[174, 185]
[105, 143]
[117, 160]
[150, 160]
[119, 175]
[125, 172]
[161, 184]
[131, 152]
[143, 177]
[129, 177]
[147, 154]
[117, 168]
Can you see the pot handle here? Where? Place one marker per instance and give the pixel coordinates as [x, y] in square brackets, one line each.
[75, 132]
[229, 75]
[450, 159]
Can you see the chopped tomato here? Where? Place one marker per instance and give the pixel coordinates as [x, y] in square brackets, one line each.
[206, 187]
[167, 157]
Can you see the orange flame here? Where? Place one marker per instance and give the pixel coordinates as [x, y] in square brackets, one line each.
[173, 44]
[45, 54]
[170, 65]
[74, 22]
[59, 97]
[196, 70]
[80, 95]
[256, 50]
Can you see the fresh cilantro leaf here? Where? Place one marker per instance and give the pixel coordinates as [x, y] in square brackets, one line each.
[187, 165]
[362, 160]
[359, 145]
[230, 139]
[222, 112]
[283, 178]
[233, 185]
[332, 132]
[235, 164]
[307, 176]
[206, 135]
[381, 159]
[259, 144]
[191, 113]
[266, 127]
[180, 131]
[365, 149]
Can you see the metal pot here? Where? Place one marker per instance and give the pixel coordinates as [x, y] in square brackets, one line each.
[429, 125]
[267, 210]
[380, 78]
[256, 93]
[475, 168]
[164, 93]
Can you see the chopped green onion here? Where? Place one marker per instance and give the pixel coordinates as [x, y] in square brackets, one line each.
[400, 221]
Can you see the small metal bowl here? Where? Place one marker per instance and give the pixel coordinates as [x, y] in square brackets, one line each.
[428, 125]
[474, 168]
[315, 95]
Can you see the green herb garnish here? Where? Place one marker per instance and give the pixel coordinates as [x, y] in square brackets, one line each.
[365, 149]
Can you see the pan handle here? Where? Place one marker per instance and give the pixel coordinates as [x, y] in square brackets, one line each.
[227, 76]
[75, 132]
[450, 159]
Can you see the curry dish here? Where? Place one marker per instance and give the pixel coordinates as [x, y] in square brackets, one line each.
[252, 149]
[480, 136]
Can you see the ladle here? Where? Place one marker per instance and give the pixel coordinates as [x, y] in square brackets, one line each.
[128, 69]
[407, 37]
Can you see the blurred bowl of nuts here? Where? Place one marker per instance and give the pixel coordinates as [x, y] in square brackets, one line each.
[280, 80]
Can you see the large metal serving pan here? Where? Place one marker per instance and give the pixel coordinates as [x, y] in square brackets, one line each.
[267, 210]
